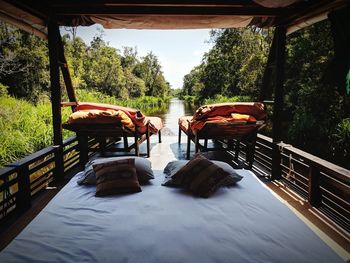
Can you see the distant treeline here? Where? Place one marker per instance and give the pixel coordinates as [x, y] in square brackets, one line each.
[316, 113]
[96, 66]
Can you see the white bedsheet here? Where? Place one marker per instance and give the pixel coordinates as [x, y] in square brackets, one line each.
[244, 223]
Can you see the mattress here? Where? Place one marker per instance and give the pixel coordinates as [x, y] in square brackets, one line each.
[243, 223]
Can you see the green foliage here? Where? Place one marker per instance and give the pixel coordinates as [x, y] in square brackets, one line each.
[147, 104]
[24, 128]
[340, 139]
[24, 60]
[149, 70]
[221, 99]
[314, 107]
[3, 90]
[234, 66]
[103, 70]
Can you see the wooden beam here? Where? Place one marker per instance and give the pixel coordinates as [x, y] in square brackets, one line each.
[23, 25]
[57, 3]
[280, 34]
[53, 33]
[172, 10]
[65, 70]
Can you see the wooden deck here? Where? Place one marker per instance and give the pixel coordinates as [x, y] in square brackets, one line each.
[168, 150]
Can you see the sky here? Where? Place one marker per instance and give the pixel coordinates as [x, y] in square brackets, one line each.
[177, 50]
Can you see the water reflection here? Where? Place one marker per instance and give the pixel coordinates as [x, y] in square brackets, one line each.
[171, 113]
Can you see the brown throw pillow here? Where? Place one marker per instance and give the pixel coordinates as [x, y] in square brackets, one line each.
[117, 177]
[201, 176]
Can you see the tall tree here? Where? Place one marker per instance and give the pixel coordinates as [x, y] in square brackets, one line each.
[149, 70]
[103, 70]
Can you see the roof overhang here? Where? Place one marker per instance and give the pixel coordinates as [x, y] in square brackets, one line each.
[32, 15]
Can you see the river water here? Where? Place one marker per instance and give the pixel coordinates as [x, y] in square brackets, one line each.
[170, 116]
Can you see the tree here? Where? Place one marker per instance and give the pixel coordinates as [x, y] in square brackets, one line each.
[103, 70]
[149, 70]
[234, 66]
[192, 84]
[76, 55]
[24, 67]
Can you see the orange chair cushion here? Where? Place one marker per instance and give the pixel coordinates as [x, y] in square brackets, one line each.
[135, 115]
[101, 117]
[255, 109]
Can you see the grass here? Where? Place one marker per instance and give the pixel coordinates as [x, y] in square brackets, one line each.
[221, 99]
[146, 104]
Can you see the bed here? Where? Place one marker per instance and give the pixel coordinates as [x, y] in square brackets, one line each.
[242, 223]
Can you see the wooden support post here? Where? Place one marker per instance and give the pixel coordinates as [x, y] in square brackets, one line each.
[23, 198]
[251, 152]
[280, 35]
[188, 148]
[196, 142]
[53, 35]
[83, 148]
[136, 144]
[237, 149]
[315, 194]
[126, 145]
[230, 144]
[102, 144]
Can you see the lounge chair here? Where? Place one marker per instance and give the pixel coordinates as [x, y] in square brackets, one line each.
[235, 122]
[102, 121]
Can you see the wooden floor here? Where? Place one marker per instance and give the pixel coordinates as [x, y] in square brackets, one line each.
[169, 150]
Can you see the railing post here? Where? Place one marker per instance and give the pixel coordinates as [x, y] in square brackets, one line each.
[276, 162]
[58, 174]
[23, 197]
[315, 194]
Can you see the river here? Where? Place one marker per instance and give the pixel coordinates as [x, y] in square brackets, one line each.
[170, 116]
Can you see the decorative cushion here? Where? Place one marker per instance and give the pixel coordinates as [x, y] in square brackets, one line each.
[200, 176]
[174, 166]
[242, 117]
[101, 117]
[116, 177]
[142, 165]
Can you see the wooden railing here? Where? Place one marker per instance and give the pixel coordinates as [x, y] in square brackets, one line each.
[22, 180]
[324, 185]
